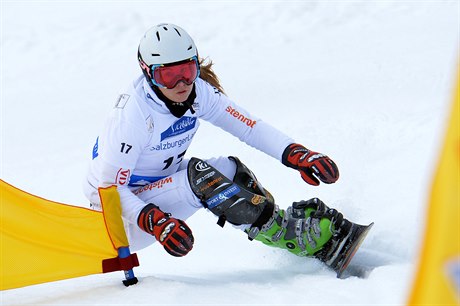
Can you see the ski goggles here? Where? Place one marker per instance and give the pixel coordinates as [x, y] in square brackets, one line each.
[169, 75]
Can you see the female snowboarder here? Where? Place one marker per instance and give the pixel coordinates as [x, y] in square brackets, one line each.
[142, 151]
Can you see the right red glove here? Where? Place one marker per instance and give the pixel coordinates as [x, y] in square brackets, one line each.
[173, 234]
[311, 165]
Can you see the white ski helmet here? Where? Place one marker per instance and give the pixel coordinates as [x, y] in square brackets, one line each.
[165, 43]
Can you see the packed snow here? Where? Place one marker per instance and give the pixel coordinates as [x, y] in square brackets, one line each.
[368, 83]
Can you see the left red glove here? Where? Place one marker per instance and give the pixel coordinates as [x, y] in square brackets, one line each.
[173, 234]
[311, 165]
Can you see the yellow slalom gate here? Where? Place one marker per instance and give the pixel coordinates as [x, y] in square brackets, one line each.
[43, 241]
[438, 278]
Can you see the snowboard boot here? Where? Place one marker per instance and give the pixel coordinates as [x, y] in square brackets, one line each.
[310, 228]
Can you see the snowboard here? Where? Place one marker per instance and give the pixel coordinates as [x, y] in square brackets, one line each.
[352, 244]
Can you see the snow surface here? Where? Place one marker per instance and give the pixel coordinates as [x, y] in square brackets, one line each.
[366, 82]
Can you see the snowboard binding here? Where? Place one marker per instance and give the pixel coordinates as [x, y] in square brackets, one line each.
[339, 251]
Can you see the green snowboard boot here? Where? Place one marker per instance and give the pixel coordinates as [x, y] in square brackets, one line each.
[307, 228]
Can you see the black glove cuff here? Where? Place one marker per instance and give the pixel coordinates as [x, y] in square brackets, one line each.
[290, 151]
[284, 157]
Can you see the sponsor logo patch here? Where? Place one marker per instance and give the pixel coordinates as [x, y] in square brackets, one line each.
[233, 112]
[201, 166]
[166, 145]
[96, 148]
[122, 100]
[123, 176]
[181, 126]
[205, 177]
[155, 185]
[211, 183]
[223, 196]
[149, 124]
[257, 199]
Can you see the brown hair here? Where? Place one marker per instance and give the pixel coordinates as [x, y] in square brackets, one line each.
[208, 75]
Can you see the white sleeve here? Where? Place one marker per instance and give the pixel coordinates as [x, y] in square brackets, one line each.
[119, 149]
[226, 114]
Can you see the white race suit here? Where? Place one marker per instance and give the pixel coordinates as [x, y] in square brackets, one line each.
[142, 149]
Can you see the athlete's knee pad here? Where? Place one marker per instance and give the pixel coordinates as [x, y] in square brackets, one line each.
[241, 200]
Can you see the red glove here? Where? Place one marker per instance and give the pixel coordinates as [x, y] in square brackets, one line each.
[311, 165]
[173, 234]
